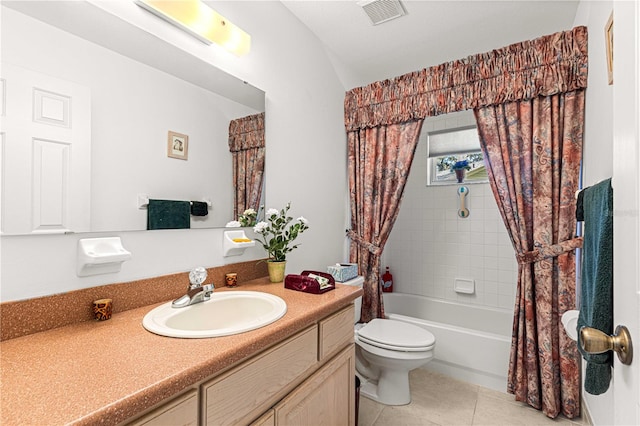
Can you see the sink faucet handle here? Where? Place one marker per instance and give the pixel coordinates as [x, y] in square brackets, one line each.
[207, 289]
[197, 277]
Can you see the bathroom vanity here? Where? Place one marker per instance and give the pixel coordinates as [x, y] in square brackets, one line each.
[297, 370]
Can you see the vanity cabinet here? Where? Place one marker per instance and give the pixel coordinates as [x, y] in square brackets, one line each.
[306, 379]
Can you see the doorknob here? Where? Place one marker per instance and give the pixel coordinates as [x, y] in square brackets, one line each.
[594, 341]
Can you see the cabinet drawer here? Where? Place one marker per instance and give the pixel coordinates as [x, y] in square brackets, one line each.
[335, 332]
[244, 392]
[182, 411]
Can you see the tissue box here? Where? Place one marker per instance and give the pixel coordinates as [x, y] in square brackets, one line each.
[342, 272]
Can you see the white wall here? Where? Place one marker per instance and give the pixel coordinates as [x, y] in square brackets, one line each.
[430, 246]
[598, 136]
[306, 164]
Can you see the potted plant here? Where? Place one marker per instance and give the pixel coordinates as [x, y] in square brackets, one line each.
[460, 169]
[278, 231]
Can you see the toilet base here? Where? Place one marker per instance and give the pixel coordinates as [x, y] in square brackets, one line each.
[369, 388]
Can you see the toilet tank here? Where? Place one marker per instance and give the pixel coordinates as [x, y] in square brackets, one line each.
[356, 282]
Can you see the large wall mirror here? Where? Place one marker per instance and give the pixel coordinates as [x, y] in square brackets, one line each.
[106, 96]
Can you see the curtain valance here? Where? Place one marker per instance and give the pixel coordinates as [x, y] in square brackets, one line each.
[246, 132]
[551, 64]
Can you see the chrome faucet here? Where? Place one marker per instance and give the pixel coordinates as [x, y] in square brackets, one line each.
[196, 292]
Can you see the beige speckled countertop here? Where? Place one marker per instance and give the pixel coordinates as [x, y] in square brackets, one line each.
[106, 372]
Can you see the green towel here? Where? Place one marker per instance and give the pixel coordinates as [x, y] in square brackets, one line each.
[596, 304]
[167, 214]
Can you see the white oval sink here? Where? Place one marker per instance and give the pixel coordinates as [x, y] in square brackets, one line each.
[226, 313]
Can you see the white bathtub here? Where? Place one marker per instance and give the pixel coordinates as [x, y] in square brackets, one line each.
[472, 342]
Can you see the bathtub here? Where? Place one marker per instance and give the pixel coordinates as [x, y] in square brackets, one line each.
[472, 342]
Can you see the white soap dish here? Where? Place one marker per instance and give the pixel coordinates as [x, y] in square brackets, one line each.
[235, 243]
[100, 256]
[464, 286]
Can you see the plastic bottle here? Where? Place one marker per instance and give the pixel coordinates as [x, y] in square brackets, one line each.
[387, 281]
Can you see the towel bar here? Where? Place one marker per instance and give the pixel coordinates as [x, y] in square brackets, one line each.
[143, 201]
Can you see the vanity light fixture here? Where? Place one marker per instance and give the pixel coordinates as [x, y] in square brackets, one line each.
[202, 22]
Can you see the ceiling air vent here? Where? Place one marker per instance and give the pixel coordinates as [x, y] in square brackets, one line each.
[380, 11]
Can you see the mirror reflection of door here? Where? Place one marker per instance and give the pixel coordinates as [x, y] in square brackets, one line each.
[46, 153]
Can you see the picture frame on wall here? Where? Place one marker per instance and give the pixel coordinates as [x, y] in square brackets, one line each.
[608, 39]
[178, 145]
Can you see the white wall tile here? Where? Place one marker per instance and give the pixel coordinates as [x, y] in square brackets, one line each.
[430, 245]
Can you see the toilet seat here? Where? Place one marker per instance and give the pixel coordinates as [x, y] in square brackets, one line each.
[395, 336]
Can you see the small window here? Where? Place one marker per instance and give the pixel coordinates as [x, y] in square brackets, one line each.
[460, 146]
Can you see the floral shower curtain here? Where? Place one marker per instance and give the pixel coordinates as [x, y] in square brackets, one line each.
[247, 146]
[533, 150]
[534, 69]
[379, 163]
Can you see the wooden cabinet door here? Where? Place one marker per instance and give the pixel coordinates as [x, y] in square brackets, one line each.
[326, 398]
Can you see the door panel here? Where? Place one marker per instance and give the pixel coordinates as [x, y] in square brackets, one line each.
[626, 187]
[46, 158]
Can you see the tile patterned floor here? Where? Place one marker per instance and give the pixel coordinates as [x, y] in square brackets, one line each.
[441, 400]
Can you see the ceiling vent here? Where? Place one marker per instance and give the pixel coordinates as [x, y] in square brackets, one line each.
[380, 11]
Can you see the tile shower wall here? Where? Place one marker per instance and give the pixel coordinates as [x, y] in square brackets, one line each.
[430, 246]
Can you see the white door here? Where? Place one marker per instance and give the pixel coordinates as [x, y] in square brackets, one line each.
[626, 195]
[46, 153]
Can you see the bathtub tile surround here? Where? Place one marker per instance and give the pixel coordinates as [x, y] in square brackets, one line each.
[23, 317]
[430, 246]
[441, 400]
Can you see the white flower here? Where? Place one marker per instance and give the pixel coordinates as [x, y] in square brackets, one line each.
[233, 224]
[248, 212]
[272, 212]
[260, 227]
[302, 220]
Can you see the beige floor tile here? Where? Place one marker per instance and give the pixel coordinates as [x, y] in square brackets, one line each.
[486, 395]
[400, 416]
[437, 399]
[490, 393]
[441, 399]
[495, 411]
[368, 411]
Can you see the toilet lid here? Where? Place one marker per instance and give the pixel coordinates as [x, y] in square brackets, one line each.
[396, 335]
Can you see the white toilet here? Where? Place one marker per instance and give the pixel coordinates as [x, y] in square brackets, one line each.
[386, 350]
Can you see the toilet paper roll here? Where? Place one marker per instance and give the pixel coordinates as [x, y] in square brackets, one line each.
[570, 323]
